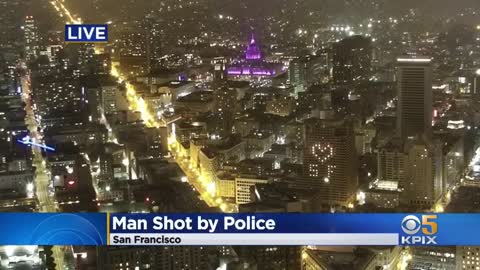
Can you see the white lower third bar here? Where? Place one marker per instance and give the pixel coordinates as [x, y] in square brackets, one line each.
[293, 239]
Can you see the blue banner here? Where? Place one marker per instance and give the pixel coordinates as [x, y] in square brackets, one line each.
[294, 229]
[239, 229]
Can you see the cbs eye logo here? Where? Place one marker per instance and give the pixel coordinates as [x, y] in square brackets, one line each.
[411, 225]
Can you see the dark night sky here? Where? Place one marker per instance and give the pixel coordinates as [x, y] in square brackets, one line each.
[437, 6]
[252, 12]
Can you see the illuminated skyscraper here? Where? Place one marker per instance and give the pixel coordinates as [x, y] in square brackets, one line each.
[352, 59]
[271, 257]
[10, 19]
[86, 59]
[192, 258]
[391, 162]
[308, 70]
[58, 96]
[467, 258]
[423, 174]
[153, 42]
[436, 257]
[225, 108]
[414, 111]
[31, 37]
[329, 157]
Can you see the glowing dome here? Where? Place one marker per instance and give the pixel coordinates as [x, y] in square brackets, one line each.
[253, 65]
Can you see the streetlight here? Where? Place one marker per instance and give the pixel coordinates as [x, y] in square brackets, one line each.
[10, 250]
[29, 187]
[475, 82]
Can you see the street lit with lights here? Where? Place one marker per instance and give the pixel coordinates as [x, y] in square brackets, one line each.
[47, 203]
[206, 188]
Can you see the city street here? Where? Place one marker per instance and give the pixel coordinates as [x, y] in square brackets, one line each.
[46, 200]
[195, 179]
[136, 103]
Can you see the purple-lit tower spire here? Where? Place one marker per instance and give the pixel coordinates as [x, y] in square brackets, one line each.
[253, 65]
[253, 52]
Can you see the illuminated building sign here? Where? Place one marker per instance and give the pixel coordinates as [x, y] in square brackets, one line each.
[323, 153]
[452, 124]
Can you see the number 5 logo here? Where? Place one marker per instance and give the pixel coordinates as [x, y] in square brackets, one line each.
[429, 226]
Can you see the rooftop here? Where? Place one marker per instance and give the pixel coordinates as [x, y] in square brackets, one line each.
[199, 96]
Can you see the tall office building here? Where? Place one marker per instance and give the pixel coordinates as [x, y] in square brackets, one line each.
[352, 59]
[153, 42]
[58, 96]
[225, 108]
[435, 257]
[32, 41]
[329, 157]
[243, 188]
[414, 110]
[188, 258]
[423, 174]
[391, 162]
[10, 20]
[103, 94]
[308, 70]
[86, 59]
[271, 257]
[468, 258]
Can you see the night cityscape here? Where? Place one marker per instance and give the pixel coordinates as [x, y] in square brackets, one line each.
[223, 106]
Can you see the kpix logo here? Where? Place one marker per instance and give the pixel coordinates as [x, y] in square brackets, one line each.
[86, 33]
[426, 228]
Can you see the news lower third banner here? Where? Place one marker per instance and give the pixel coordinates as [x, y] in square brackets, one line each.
[239, 229]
